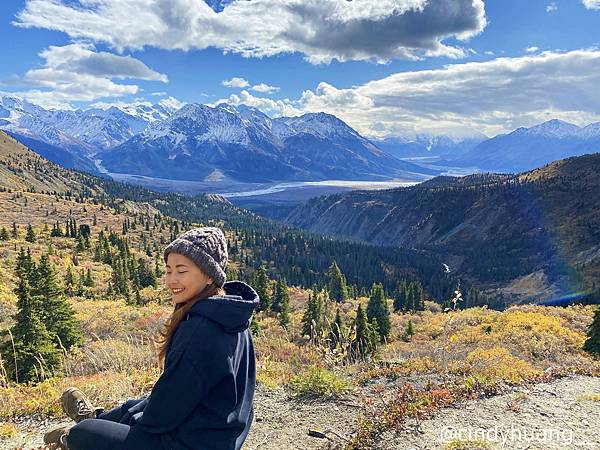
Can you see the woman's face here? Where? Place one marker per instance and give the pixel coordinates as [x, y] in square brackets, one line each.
[184, 278]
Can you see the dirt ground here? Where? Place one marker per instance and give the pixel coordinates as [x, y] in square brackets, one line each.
[556, 415]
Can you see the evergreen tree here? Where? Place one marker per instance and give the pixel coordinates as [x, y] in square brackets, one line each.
[30, 236]
[24, 264]
[88, 281]
[69, 281]
[378, 312]
[337, 288]
[400, 300]
[410, 331]
[15, 232]
[4, 236]
[312, 320]
[261, 285]
[57, 314]
[282, 300]
[365, 338]
[35, 355]
[592, 344]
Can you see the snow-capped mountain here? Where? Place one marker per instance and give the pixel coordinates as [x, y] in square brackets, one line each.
[430, 145]
[246, 145]
[72, 137]
[528, 148]
[88, 129]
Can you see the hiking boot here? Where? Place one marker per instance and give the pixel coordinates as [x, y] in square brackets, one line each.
[57, 436]
[77, 406]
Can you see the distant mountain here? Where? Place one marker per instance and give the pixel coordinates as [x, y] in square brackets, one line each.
[71, 138]
[429, 145]
[528, 148]
[246, 145]
[199, 141]
[502, 230]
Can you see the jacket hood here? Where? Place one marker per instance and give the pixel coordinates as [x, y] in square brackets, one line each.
[233, 311]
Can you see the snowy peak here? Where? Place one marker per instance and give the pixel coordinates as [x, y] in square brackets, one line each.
[555, 128]
[89, 130]
[321, 125]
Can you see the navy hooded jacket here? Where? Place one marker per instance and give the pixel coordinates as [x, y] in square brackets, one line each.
[203, 399]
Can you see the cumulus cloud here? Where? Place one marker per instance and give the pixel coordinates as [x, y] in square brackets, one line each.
[235, 82]
[552, 7]
[354, 30]
[76, 72]
[532, 49]
[493, 96]
[264, 88]
[273, 108]
[591, 4]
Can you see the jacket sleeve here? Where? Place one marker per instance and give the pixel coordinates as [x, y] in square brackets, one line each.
[134, 412]
[188, 376]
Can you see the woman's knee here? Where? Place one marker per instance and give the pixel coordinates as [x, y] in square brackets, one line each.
[78, 434]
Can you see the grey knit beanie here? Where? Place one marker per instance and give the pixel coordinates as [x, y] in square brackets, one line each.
[207, 247]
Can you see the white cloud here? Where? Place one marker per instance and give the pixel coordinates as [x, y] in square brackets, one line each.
[273, 108]
[493, 96]
[532, 49]
[264, 88]
[159, 94]
[591, 4]
[235, 82]
[552, 7]
[354, 30]
[76, 72]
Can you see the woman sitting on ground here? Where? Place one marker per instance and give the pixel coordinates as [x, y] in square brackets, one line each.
[204, 397]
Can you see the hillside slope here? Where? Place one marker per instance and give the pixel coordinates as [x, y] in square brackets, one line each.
[495, 228]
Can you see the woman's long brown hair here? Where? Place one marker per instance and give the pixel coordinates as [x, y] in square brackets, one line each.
[177, 316]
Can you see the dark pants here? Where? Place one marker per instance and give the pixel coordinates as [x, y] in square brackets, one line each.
[107, 433]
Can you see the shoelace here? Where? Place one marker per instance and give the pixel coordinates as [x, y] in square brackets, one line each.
[82, 408]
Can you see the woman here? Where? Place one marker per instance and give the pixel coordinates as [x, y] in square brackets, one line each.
[203, 399]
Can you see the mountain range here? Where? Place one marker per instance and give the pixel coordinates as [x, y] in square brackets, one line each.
[528, 148]
[197, 142]
[241, 144]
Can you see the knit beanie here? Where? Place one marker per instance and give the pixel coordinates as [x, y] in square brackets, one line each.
[207, 247]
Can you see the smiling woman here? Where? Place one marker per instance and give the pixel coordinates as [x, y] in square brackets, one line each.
[202, 399]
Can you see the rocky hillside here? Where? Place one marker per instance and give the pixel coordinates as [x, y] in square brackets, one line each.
[495, 228]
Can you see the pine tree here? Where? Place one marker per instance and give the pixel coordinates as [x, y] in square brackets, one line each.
[35, 355]
[365, 338]
[378, 312]
[57, 314]
[261, 285]
[88, 281]
[69, 281]
[400, 300]
[30, 236]
[338, 291]
[282, 300]
[312, 321]
[592, 344]
[24, 264]
[15, 232]
[410, 331]
[4, 236]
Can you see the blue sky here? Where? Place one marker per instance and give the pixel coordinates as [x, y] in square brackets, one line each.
[390, 67]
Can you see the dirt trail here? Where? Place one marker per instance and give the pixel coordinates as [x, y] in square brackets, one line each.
[562, 409]
[558, 415]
